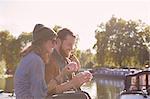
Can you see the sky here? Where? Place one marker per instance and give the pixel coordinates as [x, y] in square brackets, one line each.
[80, 16]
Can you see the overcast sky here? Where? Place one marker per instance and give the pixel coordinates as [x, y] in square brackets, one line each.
[81, 16]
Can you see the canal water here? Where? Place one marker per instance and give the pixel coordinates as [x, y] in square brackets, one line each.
[98, 88]
[104, 88]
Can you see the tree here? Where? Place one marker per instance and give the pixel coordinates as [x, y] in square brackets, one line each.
[5, 42]
[119, 42]
[24, 39]
[10, 48]
[86, 57]
[56, 28]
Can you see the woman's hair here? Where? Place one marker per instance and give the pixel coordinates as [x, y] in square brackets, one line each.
[38, 49]
[41, 35]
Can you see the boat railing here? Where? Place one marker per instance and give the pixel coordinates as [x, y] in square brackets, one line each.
[138, 82]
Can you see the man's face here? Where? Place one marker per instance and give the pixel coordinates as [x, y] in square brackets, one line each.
[67, 45]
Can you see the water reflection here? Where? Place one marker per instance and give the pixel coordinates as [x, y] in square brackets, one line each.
[104, 88]
[91, 88]
[2, 83]
[6, 84]
[99, 88]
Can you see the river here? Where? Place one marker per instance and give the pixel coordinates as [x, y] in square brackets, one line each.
[98, 88]
[104, 88]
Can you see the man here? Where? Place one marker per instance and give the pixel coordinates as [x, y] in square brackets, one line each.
[60, 57]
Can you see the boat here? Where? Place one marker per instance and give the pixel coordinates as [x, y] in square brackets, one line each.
[7, 95]
[110, 73]
[137, 86]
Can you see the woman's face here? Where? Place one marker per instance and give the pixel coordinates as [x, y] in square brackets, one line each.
[49, 45]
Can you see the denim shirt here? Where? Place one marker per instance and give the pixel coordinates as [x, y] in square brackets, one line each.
[29, 79]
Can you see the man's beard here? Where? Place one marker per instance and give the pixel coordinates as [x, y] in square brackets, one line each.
[62, 52]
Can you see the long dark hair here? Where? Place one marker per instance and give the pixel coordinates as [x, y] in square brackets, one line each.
[38, 49]
[41, 35]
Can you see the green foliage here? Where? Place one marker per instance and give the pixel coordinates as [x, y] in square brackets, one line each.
[6, 41]
[24, 39]
[86, 58]
[57, 28]
[10, 48]
[120, 42]
[2, 68]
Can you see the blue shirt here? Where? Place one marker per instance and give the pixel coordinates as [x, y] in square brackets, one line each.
[29, 79]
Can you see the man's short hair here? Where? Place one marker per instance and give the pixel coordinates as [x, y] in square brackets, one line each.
[62, 34]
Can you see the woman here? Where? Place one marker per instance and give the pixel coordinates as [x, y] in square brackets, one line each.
[29, 79]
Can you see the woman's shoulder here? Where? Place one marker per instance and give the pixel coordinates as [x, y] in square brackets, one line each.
[32, 56]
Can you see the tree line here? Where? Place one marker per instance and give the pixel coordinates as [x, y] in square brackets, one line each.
[122, 43]
[11, 46]
[119, 43]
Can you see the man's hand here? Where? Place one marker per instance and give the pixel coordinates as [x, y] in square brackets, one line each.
[70, 68]
[81, 78]
[73, 58]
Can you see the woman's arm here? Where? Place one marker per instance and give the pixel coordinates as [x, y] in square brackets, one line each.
[38, 85]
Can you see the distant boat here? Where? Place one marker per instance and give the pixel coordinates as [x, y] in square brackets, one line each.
[111, 73]
[137, 86]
